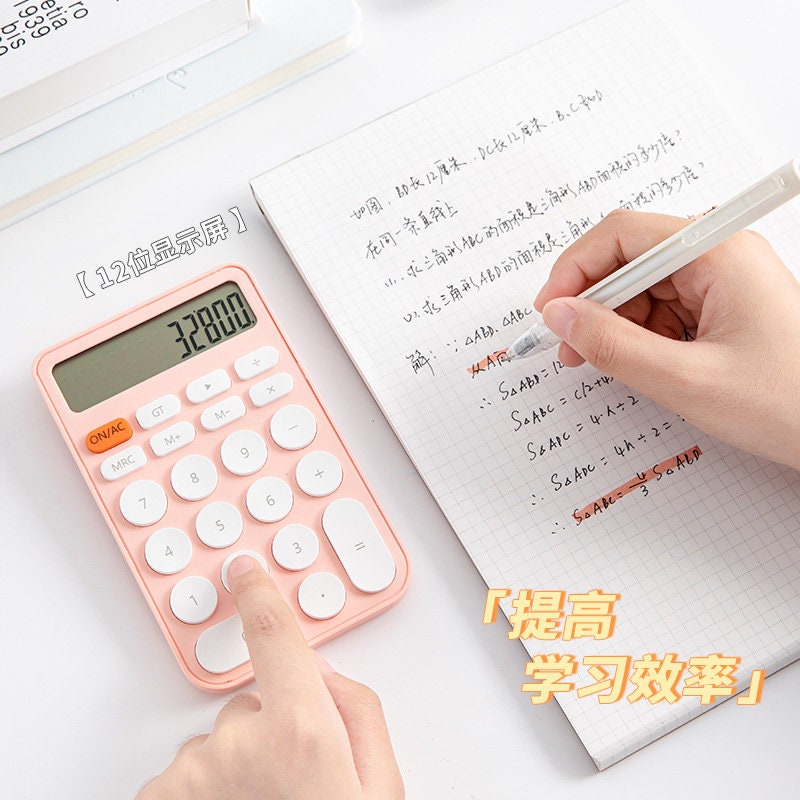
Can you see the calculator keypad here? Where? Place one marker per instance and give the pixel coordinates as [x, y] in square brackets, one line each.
[269, 499]
[168, 551]
[219, 525]
[295, 547]
[194, 477]
[226, 454]
[193, 599]
[243, 453]
[221, 647]
[143, 503]
[252, 553]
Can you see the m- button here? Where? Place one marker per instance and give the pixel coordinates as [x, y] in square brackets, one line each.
[223, 413]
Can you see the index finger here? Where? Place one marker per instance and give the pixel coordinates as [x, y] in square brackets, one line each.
[616, 240]
[283, 663]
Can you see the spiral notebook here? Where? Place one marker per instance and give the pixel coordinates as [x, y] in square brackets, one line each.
[424, 237]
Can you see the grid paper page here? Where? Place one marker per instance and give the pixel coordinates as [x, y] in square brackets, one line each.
[425, 236]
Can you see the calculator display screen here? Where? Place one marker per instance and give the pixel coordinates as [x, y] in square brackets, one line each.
[162, 342]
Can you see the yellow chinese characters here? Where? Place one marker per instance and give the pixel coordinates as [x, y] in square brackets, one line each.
[539, 614]
[549, 673]
[654, 679]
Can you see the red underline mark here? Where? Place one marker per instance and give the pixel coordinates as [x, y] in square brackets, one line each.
[491, 360]
[667, 467]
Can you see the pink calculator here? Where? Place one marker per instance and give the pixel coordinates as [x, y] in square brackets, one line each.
[201, 437]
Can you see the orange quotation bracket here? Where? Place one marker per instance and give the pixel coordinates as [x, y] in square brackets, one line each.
[539, 615]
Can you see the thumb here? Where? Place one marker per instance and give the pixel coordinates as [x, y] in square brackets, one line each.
[661, 368]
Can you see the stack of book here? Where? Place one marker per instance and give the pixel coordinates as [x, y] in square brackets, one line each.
[61, 58]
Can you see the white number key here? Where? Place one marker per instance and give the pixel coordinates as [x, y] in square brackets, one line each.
[194, 477]
[321, 595]
[219, 525]
[319, 473]
[293, 427]
[221, 647]
[168, 551]
[251, 553]
[269, 499]
[243, 452]
[193, 599]
[295, 547]
[143, 503]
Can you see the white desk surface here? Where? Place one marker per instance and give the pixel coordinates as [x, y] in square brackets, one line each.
[93, 703]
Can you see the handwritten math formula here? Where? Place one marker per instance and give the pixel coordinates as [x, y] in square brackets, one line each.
[458, 273]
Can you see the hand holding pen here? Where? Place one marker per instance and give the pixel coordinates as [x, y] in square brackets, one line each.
[739, 377]
[676, 251]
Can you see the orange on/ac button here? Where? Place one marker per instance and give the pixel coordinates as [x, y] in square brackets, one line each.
[109, 435]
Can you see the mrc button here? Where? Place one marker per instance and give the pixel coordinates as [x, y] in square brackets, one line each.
[109, 435]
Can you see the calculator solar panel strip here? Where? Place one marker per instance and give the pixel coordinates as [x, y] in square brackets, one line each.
[200, 436]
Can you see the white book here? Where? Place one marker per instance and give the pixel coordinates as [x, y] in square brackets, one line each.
[425, 236]
[289, 39]
[61, 58]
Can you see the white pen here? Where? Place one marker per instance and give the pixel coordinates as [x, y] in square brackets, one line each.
[675, 252]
